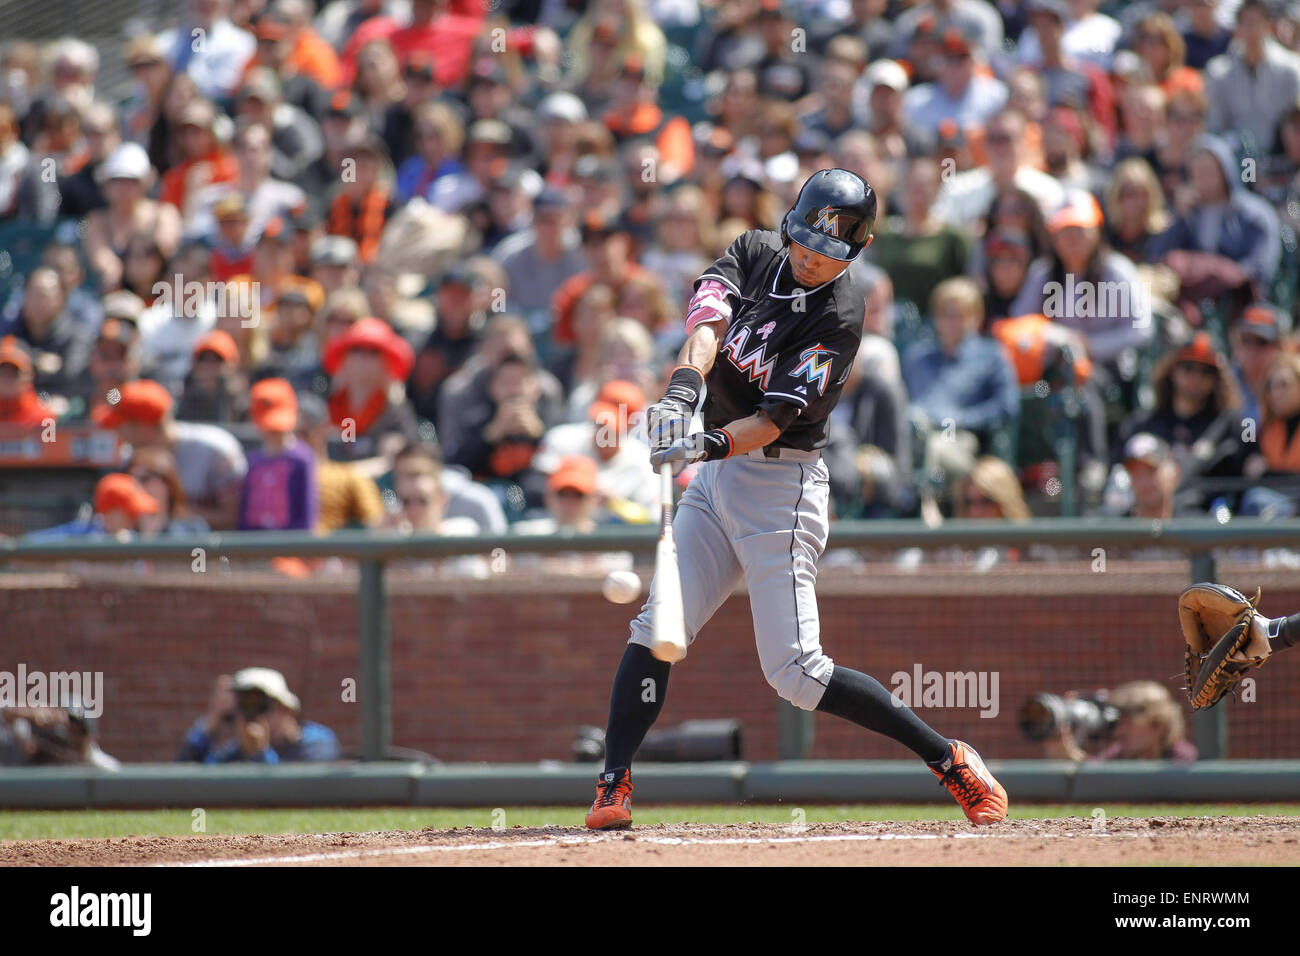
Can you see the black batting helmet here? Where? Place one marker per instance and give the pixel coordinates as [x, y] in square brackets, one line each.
[833, 215]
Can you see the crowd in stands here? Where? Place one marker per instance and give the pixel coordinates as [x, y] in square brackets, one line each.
[408, 264]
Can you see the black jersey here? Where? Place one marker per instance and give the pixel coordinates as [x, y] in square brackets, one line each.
[787, 350]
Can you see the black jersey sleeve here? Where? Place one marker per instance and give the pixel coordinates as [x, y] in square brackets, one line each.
[734, 267]
[809, 377]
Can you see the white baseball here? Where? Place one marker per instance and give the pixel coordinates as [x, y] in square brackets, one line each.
[621, 587]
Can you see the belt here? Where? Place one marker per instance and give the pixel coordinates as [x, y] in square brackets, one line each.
[772, 453]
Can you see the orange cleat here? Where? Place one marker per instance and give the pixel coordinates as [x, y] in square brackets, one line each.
[969, 781]
[612, 809]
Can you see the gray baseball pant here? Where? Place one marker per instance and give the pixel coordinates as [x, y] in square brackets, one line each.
[766, 519]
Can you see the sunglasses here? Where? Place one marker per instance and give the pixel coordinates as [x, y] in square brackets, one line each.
[572, 494]
[1255, 342]
[1197, 367]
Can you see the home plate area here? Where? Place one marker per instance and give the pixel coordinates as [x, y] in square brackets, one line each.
[1187, 841]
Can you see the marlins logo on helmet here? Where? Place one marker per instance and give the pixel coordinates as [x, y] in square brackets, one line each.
[827, 221]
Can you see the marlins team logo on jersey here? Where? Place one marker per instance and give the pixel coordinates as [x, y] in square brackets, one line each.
[815, 366]
[827, 221]
[756, 364]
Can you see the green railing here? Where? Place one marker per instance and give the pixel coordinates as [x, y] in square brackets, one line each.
[1197, 538]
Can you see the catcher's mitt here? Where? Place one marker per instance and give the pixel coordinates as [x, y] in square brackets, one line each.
[1225, 637]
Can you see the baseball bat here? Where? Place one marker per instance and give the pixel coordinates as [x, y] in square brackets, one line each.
[669, 641]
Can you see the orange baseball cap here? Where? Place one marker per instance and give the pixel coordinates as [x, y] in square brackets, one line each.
[371, 333]
[576, 473]
[11, 353]
[220, 342]
[121, 492]
[1200, 349]
[273, 405]
[1079, 209]
[143, 401]
[616, 400]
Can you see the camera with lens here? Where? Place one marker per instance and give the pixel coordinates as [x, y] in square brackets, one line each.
[1085, 717]
[252, 704]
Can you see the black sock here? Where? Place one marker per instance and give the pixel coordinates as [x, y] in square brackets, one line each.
[1288, 632]
[634, 705]
[862, 699]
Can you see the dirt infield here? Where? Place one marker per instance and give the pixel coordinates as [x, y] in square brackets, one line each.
[1188, 841]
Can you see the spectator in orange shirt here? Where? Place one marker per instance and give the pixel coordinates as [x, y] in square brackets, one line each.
[287, 44]
[204, 160]
[362, 204]
[19, 406]
[607, 246]
[634, 115]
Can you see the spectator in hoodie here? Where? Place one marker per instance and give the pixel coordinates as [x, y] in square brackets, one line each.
[1218, 214]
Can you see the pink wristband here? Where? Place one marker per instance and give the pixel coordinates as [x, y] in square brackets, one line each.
[709, 304]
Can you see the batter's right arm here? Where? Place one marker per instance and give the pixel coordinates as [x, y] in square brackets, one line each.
[701, 346]
[670, 418]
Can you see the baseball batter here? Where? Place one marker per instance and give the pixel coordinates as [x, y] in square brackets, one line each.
[773, 329]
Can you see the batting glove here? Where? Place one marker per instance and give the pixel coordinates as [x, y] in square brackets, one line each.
[701, 446]
[669, 419]
[665, 422]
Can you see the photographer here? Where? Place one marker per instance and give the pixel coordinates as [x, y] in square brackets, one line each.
[254, 717]
[1137, 721]
[36, 736]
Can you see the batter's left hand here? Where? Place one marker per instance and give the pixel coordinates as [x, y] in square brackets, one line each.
[679, 453]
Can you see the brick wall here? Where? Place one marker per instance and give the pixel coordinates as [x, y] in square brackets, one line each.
[506, 670]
